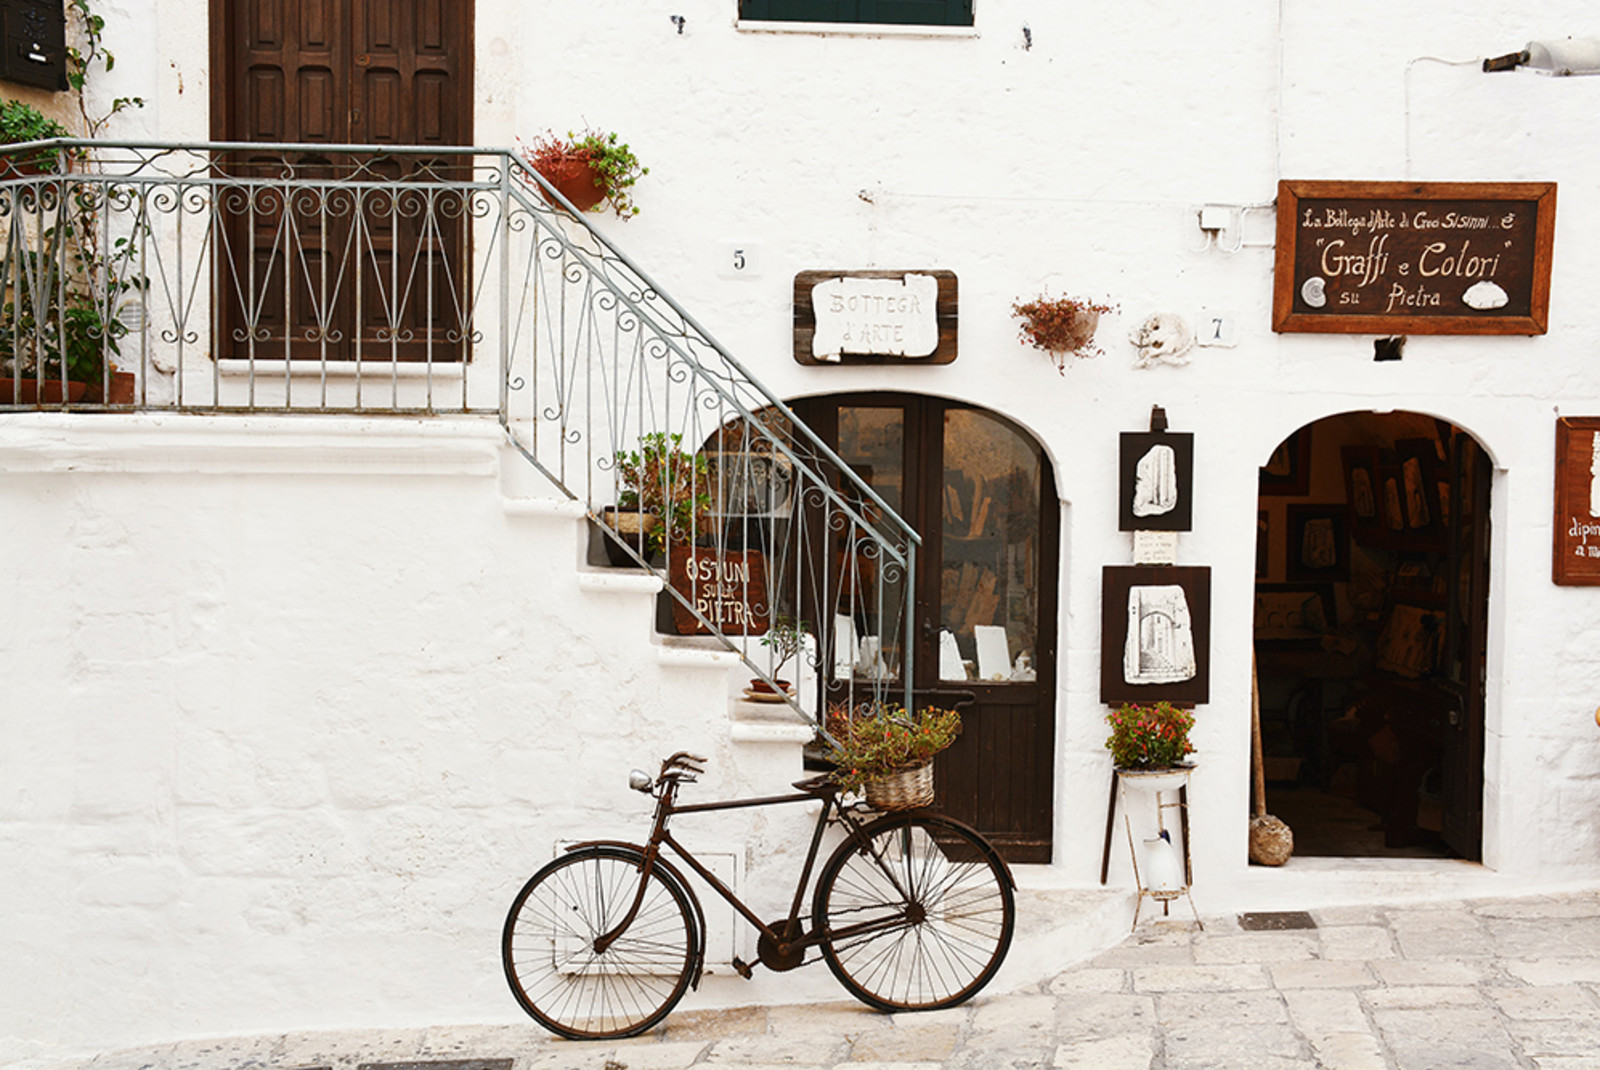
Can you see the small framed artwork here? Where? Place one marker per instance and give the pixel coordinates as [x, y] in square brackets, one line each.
[1318, 546]
[1287, 472]
[1155, 639]
[1361, 488]
[1420, 469]
[1391, 502]
[1156, 481]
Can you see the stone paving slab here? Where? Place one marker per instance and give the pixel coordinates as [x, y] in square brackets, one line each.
[1481, 985]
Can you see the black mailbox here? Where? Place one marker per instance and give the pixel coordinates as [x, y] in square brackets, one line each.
[33, 43]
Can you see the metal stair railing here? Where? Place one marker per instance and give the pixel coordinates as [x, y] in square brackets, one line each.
[421, 280]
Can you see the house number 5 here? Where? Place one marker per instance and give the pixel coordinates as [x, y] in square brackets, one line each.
[738, 260]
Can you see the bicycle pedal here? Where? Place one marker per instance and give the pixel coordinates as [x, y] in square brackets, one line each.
[742, 967]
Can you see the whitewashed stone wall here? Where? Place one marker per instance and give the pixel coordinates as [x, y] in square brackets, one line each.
[290, 708]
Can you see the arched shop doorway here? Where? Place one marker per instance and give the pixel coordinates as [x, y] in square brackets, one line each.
[1371, 613]
[981, 493]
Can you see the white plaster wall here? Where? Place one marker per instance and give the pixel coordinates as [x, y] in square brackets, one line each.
[292, 709]
[166, 613]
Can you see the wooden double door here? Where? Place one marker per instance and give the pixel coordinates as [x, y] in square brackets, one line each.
[368, 259]
[981, 494]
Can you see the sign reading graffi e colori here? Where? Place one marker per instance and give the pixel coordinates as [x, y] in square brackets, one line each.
[1414, 257]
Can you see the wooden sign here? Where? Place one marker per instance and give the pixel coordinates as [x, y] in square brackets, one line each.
[727, 588]
[1576, 559]
[1156, 482]
[874, 317]
[1414, 257]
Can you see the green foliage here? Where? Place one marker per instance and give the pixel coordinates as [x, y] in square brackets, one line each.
[1061, 326]
[874, 741]
[1154, 736]
[661, 478]
[91, 36]
[614, 165]
[23, 122]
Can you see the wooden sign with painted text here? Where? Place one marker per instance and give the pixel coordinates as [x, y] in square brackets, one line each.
[875, 317]
[1576, 559]
[726, 587]
[1395, 258]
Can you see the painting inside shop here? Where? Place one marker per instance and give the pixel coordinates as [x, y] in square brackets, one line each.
[1371, 599]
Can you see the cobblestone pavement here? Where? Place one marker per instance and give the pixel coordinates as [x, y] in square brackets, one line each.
[1481, 984]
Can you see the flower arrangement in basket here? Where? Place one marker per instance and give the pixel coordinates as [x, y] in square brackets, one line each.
[887, 754]
[1154, 736]
[1061, 326]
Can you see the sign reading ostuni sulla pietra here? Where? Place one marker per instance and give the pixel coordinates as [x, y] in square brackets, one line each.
[1414, 257]
[865, 317]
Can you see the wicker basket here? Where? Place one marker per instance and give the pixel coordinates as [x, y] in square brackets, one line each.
[905, 790]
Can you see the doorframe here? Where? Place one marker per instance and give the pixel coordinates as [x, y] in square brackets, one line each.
[1494, 852]
[925, 413]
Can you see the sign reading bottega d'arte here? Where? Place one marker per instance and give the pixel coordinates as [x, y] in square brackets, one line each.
[874, 317]
[1576, 559]
[1414, 257]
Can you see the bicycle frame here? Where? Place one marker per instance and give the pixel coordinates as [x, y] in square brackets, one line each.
[792, 939]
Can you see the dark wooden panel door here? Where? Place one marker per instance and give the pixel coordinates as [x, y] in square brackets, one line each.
[373, 269]
[982, 495]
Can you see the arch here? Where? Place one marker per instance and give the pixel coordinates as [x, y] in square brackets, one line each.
[1375, 525]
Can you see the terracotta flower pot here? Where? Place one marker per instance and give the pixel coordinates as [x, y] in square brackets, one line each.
[575, 180]
[28, 391]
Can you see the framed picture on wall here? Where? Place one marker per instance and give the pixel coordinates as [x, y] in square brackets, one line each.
[1287, 472]
[1156, 481]
[1318, 543]
[1155, 637]
[1361, 489]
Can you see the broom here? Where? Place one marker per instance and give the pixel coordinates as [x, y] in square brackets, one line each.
[1271, 841]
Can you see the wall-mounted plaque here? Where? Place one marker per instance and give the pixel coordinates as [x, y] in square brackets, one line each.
[1576, 560]
[874, 317]
[1156, 483]
[1155, 638]
[1414, 257]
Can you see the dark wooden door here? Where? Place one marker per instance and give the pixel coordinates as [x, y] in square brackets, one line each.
[1466, 650]
[982, 495]
[374, 268]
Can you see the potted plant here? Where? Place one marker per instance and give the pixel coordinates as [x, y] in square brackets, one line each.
[783, 641]
[588, 169]
[1150, 740]
[887, 754]
[662, 481]
[1061, 326]
[19, 123]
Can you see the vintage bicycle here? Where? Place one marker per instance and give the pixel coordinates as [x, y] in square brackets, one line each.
[913, 911]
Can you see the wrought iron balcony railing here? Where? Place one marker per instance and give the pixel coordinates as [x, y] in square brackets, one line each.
[230, 277]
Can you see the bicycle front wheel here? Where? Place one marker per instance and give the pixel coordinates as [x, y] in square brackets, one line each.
[548, 945]
[917, 914]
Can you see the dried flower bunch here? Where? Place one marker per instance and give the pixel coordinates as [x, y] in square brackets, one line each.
[1061, 326]
[875, 741]
[1154, 736]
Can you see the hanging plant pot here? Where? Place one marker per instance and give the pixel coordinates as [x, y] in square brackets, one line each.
[575, 180]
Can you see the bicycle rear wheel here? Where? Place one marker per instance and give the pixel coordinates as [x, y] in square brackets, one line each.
[548, 945]
[917, 916]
